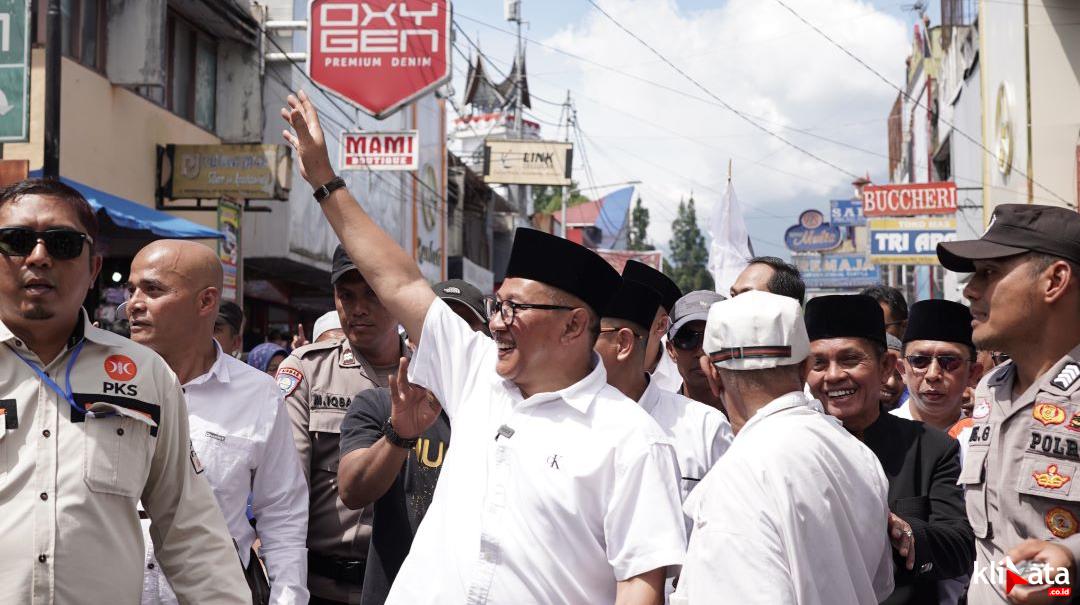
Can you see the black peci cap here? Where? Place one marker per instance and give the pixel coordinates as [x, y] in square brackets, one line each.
[341, 264]
[845, 316]
[941, 320]
[634, 302]
[1016, 229]
[562, 264]
[644, 274]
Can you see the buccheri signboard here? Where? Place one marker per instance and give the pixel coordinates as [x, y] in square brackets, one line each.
[512, 162]
[379, 54]
[909, 200]
[909, 241]
[380, 150]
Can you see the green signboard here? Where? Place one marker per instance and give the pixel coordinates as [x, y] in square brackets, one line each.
[14, 71]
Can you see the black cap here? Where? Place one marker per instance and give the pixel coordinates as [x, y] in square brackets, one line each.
[463, 292]
[644, 274]
[634, 302]
[341, 265]
[941, 320]
[562, 264]
[230, 313]
[845, 316]
[1016, 229]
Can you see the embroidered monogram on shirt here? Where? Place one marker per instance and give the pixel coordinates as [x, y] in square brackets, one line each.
[215, 436]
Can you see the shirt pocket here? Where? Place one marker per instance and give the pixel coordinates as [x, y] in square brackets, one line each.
[116, 455]
[972, 479]
[228, 463]
[324, 448]
[1047, 486]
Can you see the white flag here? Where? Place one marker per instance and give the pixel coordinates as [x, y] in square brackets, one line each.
[730, 250]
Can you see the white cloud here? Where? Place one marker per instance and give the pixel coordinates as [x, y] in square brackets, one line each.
[754, 55]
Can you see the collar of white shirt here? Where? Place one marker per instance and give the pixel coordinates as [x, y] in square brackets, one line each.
[784, 402]
[219, 371]
[579, 395]
[651, 396]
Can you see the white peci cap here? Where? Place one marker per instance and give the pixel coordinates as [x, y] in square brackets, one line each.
[756, 331]
[327, 321]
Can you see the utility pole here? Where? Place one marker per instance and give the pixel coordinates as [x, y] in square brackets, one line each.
[513, 13]
[571, 120]
[51, 168]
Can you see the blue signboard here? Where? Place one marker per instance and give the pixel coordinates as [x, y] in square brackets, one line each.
[846, 212]
[909, 241]
[813, 234]
[837, 271]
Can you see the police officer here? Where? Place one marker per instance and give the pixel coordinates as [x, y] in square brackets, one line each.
[1024, 451]
[319, 381]
[90, 424]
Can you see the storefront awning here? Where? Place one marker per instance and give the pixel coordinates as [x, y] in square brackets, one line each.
[132, 216]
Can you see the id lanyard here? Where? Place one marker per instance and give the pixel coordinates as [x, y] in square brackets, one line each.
[65, 394]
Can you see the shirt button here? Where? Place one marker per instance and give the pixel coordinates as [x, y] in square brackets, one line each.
[46, 433]
[120, 432]
[18, 343]
[149, 565]
[42, 558]
[44, 496]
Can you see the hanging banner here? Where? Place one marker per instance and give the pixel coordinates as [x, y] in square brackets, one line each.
[229, 219]
[837, 270]
[847, 213]
[813, 234]
[909, 241]
[909, 200]
[380, 150]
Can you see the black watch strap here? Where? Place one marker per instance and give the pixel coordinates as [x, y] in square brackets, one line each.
[395, 439]
[333, 185]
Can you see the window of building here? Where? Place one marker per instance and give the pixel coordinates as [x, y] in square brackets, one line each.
[82, 35]
[191, 72]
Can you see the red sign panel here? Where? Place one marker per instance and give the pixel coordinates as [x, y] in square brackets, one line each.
[380, 150]
[909, 200]
[379, 54]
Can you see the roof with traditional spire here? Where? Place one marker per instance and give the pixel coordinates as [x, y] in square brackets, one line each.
[486, 96]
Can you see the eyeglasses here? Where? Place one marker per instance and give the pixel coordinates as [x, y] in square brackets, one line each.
[608, 330]
[948, 363]
[61, 244]
[688, 340]
[508, 309]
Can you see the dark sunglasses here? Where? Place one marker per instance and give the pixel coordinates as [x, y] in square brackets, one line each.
[61, 244]
[688, 340]
[948, 363]
[999, 358]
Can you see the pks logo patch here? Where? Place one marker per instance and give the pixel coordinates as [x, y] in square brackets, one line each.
[288, 379]
[120, 368]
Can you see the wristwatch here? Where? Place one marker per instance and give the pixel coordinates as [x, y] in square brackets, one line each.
[395, 439]
[333, 185]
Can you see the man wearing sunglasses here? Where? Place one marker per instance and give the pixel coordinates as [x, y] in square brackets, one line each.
[848, 363]
[685, 337]
[1024, 449]
[90, 424]
[543, 496]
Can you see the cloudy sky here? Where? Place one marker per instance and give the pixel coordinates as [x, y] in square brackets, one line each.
[643, 121]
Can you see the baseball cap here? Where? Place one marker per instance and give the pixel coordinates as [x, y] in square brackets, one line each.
[463, 292]
[231, 314]
[327, 321]
[341, 264]
[692, 307]
[756, 331]
[1016, 229]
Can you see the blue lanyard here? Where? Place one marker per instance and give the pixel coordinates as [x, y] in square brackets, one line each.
[65, 394]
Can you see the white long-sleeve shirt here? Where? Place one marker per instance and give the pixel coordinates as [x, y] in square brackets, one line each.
[241, 434]
[795, 512]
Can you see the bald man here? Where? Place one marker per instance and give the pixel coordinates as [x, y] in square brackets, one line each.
[239, 428]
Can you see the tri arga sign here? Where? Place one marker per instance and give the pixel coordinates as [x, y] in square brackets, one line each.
[909, 200]
[380, 150]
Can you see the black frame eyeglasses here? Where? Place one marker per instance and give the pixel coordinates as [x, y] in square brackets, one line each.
[61, 244]
[508, 309]
[948, 363]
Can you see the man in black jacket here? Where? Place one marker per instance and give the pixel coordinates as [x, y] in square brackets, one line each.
[928, 526]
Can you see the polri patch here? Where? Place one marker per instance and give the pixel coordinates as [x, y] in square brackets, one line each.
[9, 411]
[288, 379]
[1048, 413]
[1067, 376]
[1061, 522]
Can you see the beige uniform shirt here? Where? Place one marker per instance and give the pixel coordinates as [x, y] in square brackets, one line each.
[319, 381]
[70, 483]
[1020, 472]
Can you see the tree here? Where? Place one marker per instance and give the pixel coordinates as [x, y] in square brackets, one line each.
[639, 225]
[689, 257]
[547, 200]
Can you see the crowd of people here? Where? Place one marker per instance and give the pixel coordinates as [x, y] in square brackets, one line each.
[615, 440]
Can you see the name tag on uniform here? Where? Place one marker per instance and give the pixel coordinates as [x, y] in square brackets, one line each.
[9, 412]
[104, 407]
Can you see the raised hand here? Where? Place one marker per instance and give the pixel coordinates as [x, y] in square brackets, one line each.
[299, 339]
[412, 409]
[307, 139]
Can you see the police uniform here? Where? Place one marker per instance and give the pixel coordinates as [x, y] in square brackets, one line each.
[319, 381]
[70, 480]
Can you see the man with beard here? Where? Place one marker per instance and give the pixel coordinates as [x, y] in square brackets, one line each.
[684, 340]
[1023, 452]
[319, 381]
[846, 367]
[559, 489]
[238, 424]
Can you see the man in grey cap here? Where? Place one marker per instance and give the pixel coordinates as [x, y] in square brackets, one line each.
[804, 500]
[684, 340]
[1023, 453]
[319, 381]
